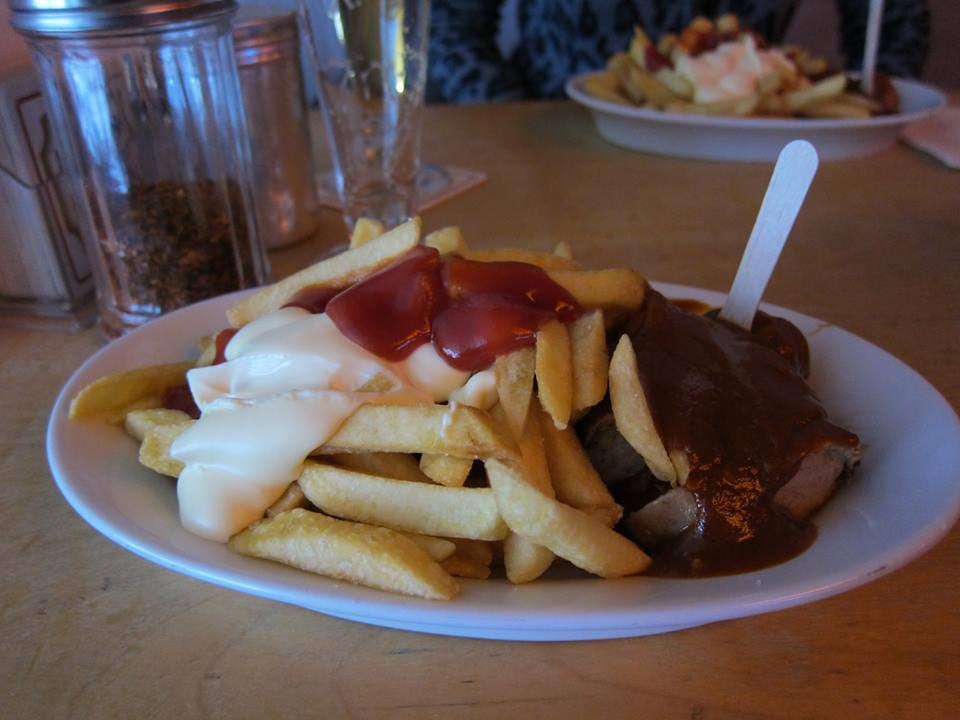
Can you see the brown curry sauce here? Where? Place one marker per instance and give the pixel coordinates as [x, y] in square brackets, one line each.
[738, 405]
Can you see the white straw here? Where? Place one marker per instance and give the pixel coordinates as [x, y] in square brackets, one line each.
[870, 44]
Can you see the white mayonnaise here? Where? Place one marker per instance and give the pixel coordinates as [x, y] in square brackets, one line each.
[730, 71]
[290, 380]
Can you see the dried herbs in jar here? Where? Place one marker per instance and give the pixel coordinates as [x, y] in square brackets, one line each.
[173, 244]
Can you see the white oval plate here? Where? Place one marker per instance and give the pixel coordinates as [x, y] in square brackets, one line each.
[751, 139]
[900, 502]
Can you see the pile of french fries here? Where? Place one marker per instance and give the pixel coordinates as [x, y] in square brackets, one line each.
[407, 498]
[803, 90]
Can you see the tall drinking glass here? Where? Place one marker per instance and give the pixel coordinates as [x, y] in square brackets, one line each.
[371, 63]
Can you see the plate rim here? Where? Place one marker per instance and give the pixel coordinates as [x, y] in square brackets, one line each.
[386, 610]
[574, 90]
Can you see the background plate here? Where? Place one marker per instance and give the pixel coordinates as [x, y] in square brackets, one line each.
[902, 500]
[751, 139]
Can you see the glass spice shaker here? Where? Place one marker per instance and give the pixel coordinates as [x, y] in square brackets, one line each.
[146, 106]
[267, 44]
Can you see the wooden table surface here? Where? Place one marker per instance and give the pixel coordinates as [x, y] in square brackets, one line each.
[90, 630]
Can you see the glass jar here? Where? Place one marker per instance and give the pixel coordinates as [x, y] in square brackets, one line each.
[267, 45]
[146, 106]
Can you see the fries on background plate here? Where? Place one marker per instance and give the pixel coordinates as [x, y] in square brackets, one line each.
[719, 68]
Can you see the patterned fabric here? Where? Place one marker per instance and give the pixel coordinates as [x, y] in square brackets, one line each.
[560, 38]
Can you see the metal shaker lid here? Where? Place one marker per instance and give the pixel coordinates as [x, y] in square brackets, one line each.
[77, 17]
[261, 32]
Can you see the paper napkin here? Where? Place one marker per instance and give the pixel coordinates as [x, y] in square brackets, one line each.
[938, 135]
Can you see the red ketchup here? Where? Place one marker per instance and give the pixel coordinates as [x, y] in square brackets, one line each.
[710, 41]
[516, 282]
[220, 343]
[655, 59]
[471, 333]
[179, 398]
[496, 307]
[391, 312]
[471, 311]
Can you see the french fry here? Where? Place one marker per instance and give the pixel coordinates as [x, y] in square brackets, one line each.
[447, 241]
[633, 82]
[365, 230]
[638, 47]
[605, 86]
[838, 108]
[379, 383]
[445, 469]
[813, 66]
[471, 559]
[372, 556]
[462, 567]
[533, 455]
[523, 559]
[477, 551]
[334, 272]
[681, 465]
[515, 372]
[291, 499]
[623, 69]
[575, 481]
[208, 351]
[769, 83]
[545, 260]
[632, 413]
[588, 341]
[422, 508]
[138, 422]
[862, 101]
[677, 84]
[571, 534]
[818, 92]
[667, 44]
[619, 289]
[772, 105]
[112, 396]
[438, 548]
[458, 430]
[728, 24]
[155, 448]
[554, 372]
[480, 391]
[738, 106]
[400, 466]
[654, 90]
[693, 37]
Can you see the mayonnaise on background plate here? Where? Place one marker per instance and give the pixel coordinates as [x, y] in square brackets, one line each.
[731, 70]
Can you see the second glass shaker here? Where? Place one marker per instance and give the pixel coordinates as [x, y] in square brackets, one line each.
[267, 44]
[147, 110]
